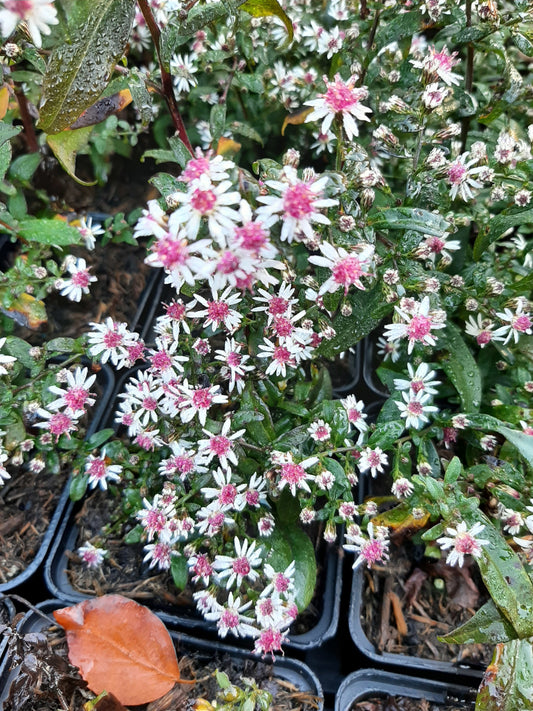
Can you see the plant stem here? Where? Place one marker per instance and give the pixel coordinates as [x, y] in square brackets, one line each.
[369, 44]
[29, 130]
[166, 79]
[28, 604]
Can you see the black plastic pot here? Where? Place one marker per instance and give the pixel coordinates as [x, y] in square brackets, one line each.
[368, 486]
[7, 613]
[106, 381]
[58, 583]
[367, 683]
[289, 670]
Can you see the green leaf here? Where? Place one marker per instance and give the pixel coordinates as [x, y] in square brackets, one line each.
[98, 438]
[269, 8]
[66, 145]
[180, 151]
[135, 535]
[409, 218]
[78, 72]
[165, 183]
[60, 345]
[48, 231]
[497, 226]
[5, 159]
[179, 571]
[290, 543]
[261, 432]
[20, 349]
[460, 366]
[405, 24]
[508, 681]
[487, 626]
[504, 576]
[140, 95]
[453, 471]
[24, 167]
[523, 442]
[217, 121]
[386, 434]
[7, 131]
[78, 486]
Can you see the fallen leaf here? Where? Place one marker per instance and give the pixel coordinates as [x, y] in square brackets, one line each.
[121, 647]
[295, 118]
[103, 109]
[413, 585]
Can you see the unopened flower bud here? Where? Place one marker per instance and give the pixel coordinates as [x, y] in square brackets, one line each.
[292, 158]
[346, 223]
[367, 198]
[346, 309]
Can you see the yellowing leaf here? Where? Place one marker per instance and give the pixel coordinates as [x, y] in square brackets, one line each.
[227, 146]
[4, 100]
[267, 8]
[120, 647]
[66, 145]
[27, 311]
[103, 108]
[296, 118]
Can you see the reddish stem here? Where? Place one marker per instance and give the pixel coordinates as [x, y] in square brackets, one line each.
[29, 131]
[166, 79]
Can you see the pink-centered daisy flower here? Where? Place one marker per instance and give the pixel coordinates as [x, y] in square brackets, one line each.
[516, 324]
[347, 268]
[91, 555]
[438, 65]
[298, 206]
[228, 495]
[79, 281]
[220, 445]
[198, 400]
[294, 476]
[417, 325]
[230, 617]
[100, 471]
[57, 423]
[35, 15]
[76, 397]
[110, 340]
[209, 201]
[374, 549]
[480, 328]
[463, 542]
[241, 566]
[373, 460]
[459, 174]
[218, 312]
[342, 98]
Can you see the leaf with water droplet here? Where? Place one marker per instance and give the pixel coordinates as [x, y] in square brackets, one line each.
[460, 366]
[77, 73]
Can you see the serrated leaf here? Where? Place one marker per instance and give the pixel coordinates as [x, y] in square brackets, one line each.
[486, 626]
[48, 231]
[269, 8]
[78, 72]
[66, 145]
[460, 366]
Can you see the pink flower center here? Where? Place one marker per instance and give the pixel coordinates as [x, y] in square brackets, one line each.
[521, 323]
[97, 469]
[374, 459]
[217, 311]
[112, 339]
[277, 306]
[298, 201]
[229, 618]
[372, 551]
[456, 173]
[483, 338]
[228, 263]
[203, 201]
[269, 640]
[281, 582]
[220, 445]
[292, 473]
[435, 245]
[202, 399]
[195, 168]
[176, 311]
[419, 328]
[415, 408]
[348, 271]
[465, 543]
[81, 279]
[155, 521]
[321, 433]
[252, 236]
[161, 554]
[171, 252]
[216, 520]
[417, 386]
[283, 326]
[265, 606]
[241, 566]
[149, 403]
[22, 8]
[203, 567]
[281, 354]
[340, 97]
[161, 360]
[59, 424]
[252, 498]
[234, 359]
[76, 398]
[227, 495]
[183, 464]
[353, 415]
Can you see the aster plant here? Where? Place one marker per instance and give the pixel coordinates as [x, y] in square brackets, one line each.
[336, 173]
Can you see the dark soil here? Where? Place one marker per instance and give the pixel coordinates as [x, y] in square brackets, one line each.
[27, 503]
[403, 703]
[123, 572]
[47, 681]
[414, 600]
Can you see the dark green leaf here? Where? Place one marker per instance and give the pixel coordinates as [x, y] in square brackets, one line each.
[217, 121]
[48, 231]
[179, 571]
[290, 543]
[409, 218]
[386, 434]
[460, 366]
[487, 626]
[523, 442]
[181, 153]
[497, 226]
[24, 167]
[60, 345]
[98, 438]
[508, 681]
[78, 72]
[78, 486]
[135, 535]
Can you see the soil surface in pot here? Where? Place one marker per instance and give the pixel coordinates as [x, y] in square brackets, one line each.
[412, 601]
[47, 681]
[403, 703]
[27, 504]
[123, 571]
